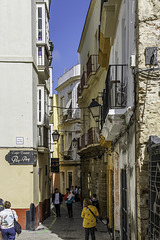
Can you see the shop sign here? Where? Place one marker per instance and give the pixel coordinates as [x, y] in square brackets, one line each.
[21, 157]
[55, 165]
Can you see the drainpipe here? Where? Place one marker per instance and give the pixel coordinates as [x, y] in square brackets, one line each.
[135, 91]
[113, 196]
[127, 30]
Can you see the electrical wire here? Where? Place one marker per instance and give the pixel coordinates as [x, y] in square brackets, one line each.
[67, 108]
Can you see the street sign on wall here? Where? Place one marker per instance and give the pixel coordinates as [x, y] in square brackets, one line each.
[21, 157]
[55, 165]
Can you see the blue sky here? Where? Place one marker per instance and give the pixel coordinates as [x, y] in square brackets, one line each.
[67, 18]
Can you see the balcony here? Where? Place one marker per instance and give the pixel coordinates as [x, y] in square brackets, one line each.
[89, 143]
[67, 116]
[43, 64]
[115, 92]
[43, 140]
[92, 65]
[89, 138]
[114, 99]
[68, 155]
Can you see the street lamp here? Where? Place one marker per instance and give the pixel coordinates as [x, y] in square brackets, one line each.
[55, 136]
[94, 108]
[74, 142]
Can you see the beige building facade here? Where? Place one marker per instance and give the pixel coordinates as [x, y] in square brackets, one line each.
[93, 155]
[54, 147]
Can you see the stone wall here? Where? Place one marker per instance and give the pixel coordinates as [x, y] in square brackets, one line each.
[148, 102]
[94, 180]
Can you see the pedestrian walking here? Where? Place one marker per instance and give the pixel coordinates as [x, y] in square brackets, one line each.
[76, 193]
[57, 200]
[69, 198]
[79, 193]
[89, 214]
[7, 222]
[95, 201]
[1, 209]
[72, 190]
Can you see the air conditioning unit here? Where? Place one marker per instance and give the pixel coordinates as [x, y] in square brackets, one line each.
[132, 61]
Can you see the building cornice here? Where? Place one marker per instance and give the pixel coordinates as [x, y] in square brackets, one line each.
[67, 82]
[15, 59]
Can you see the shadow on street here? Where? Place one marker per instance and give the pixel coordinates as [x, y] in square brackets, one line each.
[71, 228]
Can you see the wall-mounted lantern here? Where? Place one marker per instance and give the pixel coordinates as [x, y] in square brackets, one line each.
[94, 108]
[55, 136]
[74, 142]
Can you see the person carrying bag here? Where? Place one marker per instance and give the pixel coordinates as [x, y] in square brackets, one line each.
[7, 217]
[1, 209]
[89, 214]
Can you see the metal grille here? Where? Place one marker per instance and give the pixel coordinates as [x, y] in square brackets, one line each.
[124, 204]
[154, 193]
[115, 92]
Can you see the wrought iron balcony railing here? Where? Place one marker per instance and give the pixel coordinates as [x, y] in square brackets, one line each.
[91, 137]
[91, 66]
[115, 92]
[68, 155]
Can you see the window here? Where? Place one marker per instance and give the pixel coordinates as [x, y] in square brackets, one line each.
[39, 55]
[39, 23]
[40, 105]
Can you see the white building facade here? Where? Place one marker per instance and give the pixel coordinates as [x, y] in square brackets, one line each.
[118, 107]
[26, 82]
[69, 128]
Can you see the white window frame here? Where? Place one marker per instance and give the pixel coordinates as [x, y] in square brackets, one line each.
[42, 5]
[40, 105]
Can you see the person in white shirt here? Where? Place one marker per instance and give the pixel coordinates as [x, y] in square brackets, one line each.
[7, 222]
[57, 199]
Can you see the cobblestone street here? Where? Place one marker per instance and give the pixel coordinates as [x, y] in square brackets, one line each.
[64, 228]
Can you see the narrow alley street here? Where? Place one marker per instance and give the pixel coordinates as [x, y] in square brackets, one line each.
[64, 228]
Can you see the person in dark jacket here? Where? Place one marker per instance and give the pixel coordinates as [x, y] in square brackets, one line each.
[57, 199]
[95, 201]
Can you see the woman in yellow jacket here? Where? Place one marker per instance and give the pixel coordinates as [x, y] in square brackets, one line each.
[89, 214]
